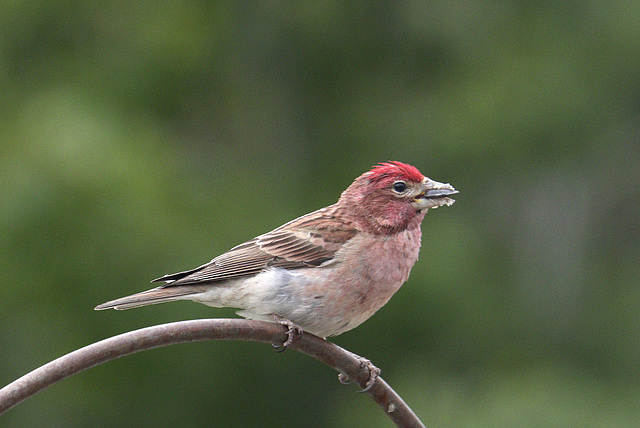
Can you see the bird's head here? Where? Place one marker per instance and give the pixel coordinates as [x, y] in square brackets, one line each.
[393, 196]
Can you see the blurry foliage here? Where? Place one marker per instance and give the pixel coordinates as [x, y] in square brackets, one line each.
[141, 138]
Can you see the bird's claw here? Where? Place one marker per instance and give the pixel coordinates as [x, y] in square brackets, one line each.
[374, 372]
[343, 378]
[293, 333]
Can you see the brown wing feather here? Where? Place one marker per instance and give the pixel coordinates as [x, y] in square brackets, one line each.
[309, 240]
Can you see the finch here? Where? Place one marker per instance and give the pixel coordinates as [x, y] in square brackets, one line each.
[325, 272]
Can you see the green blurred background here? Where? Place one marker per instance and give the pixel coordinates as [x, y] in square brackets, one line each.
[142, 138]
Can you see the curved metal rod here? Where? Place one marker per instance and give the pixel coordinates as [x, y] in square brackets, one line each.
[345, 362]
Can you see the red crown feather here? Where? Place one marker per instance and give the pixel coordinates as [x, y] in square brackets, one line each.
[396, 169]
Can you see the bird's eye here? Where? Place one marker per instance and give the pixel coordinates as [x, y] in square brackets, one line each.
[399, 186]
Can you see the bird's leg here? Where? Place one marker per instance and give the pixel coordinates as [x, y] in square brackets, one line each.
[374, 372]
[293, 332]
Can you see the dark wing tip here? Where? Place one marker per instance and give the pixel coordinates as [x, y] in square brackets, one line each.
[178, 275]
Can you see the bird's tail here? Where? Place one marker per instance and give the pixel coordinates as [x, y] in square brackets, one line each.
[151, 297]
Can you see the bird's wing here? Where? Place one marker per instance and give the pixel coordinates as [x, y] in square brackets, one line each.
[307, 241]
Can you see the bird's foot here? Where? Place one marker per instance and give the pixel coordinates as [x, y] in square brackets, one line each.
[374, 372]
[293, 332]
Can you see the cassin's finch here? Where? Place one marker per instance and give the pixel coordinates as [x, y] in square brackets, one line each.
[325, 272]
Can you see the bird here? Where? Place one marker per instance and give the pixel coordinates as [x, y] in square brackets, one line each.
[325, 272]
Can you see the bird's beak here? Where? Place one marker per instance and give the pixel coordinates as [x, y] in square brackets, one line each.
[434, 194]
